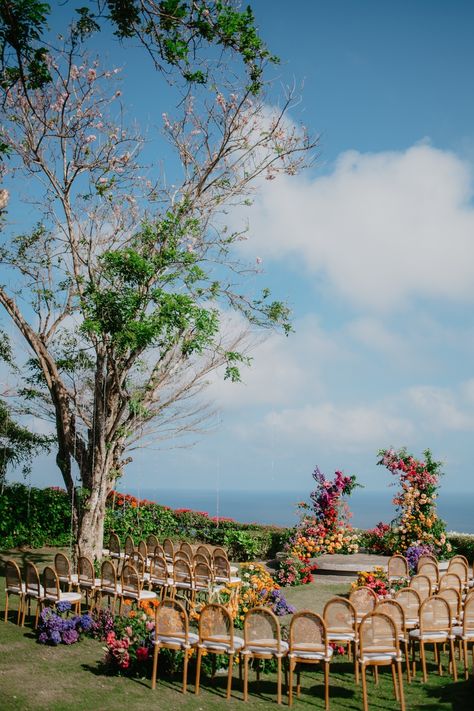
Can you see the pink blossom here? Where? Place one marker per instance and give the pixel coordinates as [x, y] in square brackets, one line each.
[91, 75]
[91, 138]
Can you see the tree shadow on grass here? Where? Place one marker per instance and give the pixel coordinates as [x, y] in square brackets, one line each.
[459, 695]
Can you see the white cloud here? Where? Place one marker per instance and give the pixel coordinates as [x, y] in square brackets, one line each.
[380, 229]
[340, 427]
[439, 407]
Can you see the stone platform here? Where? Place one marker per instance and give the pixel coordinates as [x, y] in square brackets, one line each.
[350, 565]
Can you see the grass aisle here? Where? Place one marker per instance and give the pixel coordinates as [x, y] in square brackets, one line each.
[37, 677]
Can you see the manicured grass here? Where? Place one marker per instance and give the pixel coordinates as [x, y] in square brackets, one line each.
[34, 676]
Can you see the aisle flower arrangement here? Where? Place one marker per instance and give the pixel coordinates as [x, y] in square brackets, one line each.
[375, 579]
[417, 522]
[54, 628]
[323, 528]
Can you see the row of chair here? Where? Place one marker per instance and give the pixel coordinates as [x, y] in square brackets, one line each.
[428, 565]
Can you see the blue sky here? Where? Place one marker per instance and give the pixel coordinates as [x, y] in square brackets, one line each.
[373, 247]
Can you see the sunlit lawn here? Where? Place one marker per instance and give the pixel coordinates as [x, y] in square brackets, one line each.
[34, 676]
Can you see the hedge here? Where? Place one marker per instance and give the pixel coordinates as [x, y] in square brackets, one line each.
[42, 517]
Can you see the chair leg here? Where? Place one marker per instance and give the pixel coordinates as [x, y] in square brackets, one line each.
[407, 662]
[364, 687]
[466, 672]
[423, 660]
[400, 680]
[279, 680]
[246, 676]
[298, 680]
[198, 670]
[229, 675]
[453, 659]
[326, 686]
[376, 675]
[437, 656]
[20, 608]
[6, 606]
[290, 682]
[156, 652]
[185, 671]
[356, 664]
[395, 681]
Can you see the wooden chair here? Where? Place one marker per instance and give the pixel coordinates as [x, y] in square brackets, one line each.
[435, 628]
[160, 578]
[205, 552]
[222, 571]
[465, 633]
[183, 580]
[309, 644]
[364, 600]
[422, 584]
[129, 546]
[14, 586]
[340, 618]
[453, 598]
[182, 555]
[33, 591]
[172, 632]
[168, 547]
[199, 558]
[203, 579]
[159, 550]
[431, 570]
[426, 558]
[86, 580]
[216, 636]
[378, 646]
[62, 566]
[397, 567]
[53, 593]
[152, 541]
[410, 601]
[262, 638]
[114, 547]
[451, 580]
[187, 548]
[139, 562]
[457, 558]
[219, 551]
[131, 587]
[395, 611]
[109, 585]
[458, 567]
[143, 550]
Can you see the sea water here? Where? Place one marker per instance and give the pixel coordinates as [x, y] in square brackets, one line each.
[280, 507]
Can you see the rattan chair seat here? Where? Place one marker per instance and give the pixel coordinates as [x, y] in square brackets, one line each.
[224, 646]
[178, 642]
[266, 646]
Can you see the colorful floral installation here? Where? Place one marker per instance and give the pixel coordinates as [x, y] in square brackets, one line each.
[375, 579]
[417, 522]
[323, 529]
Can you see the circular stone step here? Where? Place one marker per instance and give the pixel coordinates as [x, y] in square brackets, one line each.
[351, 565]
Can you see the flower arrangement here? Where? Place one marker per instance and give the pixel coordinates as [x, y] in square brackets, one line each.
[323, 528]
[375, 579]
[417, 520]
[257, 588]
[414, 553]
[129, 643]
[381, 539]
[55, 629]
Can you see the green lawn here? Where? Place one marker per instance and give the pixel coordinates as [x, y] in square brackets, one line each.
[34, 676]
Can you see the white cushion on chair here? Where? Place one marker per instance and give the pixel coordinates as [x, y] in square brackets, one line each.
[458, 631]
[341, 636]
[379, 657]
[164, 639]
[416, 634]
[317, 656]
[270, 649]
[216, 646]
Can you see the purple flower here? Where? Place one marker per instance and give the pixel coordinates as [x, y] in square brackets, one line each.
[70, 636]
[55, 637]
[63, 606]
[85, 622]
[42, 638]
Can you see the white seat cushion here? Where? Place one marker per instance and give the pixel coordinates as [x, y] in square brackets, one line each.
[33, 592]
[379, 657]
[110, 589]
[341, 636]
[16, 589]
[317, 656]
[269, 648]
[416, 634]
[164, 640]
[70, 597]
[458, 631]
[217, 646]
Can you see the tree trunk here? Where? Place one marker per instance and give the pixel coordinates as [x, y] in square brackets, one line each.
[90, 512]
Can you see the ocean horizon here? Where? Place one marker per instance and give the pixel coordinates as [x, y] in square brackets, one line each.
[280, 507]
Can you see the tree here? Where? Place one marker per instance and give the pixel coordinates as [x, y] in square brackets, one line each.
[121, 286]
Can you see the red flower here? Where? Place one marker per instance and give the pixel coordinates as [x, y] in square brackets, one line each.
[142, 654]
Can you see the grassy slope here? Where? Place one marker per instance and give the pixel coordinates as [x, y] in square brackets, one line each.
[34, 676]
